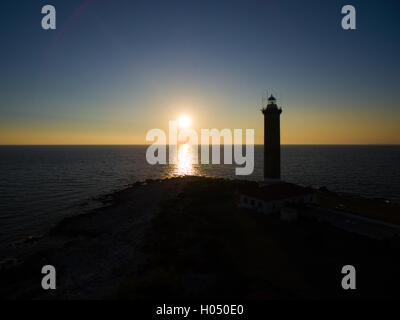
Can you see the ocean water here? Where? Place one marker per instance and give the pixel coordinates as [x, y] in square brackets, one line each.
[40, 185]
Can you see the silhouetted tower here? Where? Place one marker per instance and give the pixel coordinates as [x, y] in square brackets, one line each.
[272, 141]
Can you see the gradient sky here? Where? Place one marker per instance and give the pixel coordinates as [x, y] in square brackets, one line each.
[114, 69]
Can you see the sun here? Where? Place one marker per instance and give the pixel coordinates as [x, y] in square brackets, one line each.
[184, 121]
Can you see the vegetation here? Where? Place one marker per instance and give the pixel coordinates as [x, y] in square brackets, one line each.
[202, 244]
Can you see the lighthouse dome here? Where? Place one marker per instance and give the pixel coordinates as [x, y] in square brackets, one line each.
[271, 100]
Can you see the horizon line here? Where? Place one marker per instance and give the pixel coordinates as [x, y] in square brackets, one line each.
[256, 144]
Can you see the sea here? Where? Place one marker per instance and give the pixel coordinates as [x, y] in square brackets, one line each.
[41, 185]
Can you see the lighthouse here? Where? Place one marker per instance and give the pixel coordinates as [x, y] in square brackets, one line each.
[272, 141]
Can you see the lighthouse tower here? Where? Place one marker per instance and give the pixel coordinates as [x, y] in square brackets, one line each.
[272, 141]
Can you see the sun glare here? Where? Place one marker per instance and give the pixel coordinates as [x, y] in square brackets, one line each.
[184, 121]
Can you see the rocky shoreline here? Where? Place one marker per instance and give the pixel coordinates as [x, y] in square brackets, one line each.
[182, 237]
[90, 245]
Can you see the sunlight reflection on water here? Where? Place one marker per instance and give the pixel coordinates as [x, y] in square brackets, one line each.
[186, 158]
[42, 184]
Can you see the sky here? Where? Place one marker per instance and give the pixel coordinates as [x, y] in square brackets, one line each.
[112, 70]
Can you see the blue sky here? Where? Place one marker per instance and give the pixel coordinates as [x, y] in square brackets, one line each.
[114, 69]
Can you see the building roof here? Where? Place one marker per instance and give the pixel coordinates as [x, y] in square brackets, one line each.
[271, 97]
[278, 191]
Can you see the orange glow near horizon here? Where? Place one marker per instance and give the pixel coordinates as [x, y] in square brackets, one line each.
[298, 126]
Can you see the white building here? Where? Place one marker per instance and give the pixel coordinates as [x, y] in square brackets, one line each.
[274, 197]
